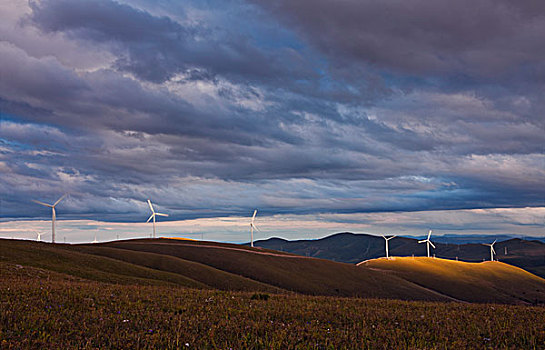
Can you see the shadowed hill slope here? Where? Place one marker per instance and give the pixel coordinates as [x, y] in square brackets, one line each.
[99, 263]
[289, 272]
[59, 259]
[489, 281]
[204, 274]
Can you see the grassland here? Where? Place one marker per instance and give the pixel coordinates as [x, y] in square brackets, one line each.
[44, 309]
[285, 271]
[228, 267]
[489, 281]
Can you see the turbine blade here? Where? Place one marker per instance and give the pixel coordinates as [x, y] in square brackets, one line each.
[151, 206]
[151, 217]
[494, 241]
[42, 203]
[423, 241]
[161, 214]
[493, 251]
[432, 244]
[429, 234]
[60, 199]
[257, 228]
[253, 217]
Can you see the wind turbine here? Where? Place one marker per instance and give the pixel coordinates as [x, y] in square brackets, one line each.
[39, 235]
[153, 215]
[252, 226]
[95, 241]
[387, 239]
[428, 243]
[53, 214]
[492, 251]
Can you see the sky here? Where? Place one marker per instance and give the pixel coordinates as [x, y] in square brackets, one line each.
[327, 116]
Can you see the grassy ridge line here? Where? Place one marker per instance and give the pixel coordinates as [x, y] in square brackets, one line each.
[205, 274]
[241, 247]
[61, 260]
[477, 282]
[304, 275]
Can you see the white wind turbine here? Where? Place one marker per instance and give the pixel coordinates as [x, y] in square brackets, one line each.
[39, 235]
[387, 239]
[428, 243]
[53, 214]
[95, 241]
[492, 251]
[252, 226]
[153, 215]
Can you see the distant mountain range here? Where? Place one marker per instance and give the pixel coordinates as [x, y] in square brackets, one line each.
[354, 248]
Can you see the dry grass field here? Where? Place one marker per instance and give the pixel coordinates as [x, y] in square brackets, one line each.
[44, 309]
[173, 294]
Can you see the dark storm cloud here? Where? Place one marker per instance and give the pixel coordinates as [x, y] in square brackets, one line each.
[475, 37]
[339, 107]
[157, 47]
[89, 100]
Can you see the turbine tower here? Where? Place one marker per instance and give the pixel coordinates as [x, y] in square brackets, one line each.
[252, 226]
[428, 243]
[386, 240]
[153, 215]
[95, 241]
[492, 251]
[53, 214]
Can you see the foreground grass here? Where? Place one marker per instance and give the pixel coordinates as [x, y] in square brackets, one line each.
[40, 310]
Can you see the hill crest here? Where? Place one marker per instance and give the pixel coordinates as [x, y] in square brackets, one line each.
[489, 281]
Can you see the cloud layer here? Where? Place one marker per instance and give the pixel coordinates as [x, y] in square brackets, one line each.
[212, 109]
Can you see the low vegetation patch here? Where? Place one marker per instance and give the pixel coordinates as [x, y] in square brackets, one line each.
[260, 296]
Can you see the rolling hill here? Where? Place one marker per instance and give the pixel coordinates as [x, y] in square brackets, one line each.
[486, 282]
[209, 265]
[353, 248]
[284, 271]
